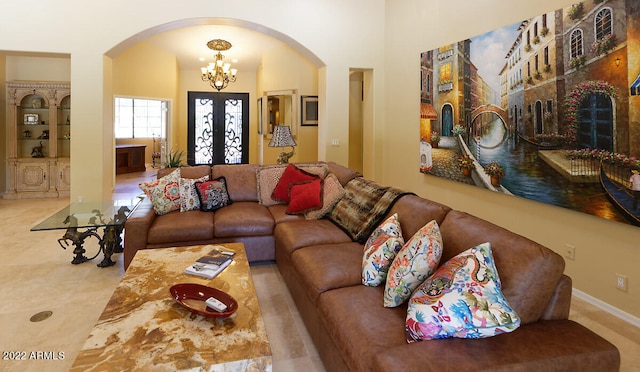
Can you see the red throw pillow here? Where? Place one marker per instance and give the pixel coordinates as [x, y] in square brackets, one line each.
[305, 197]
[291, 174]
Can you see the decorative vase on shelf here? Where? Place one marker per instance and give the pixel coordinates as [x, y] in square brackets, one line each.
[26, 133]
[68, 119]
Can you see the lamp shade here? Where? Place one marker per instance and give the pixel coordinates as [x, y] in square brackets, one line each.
[282, 137]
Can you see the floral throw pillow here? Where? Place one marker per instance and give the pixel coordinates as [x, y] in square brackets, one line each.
[164, 192]
[415, 262]
[462, 299]
[213, 194]
[189, 199]
[380, 250]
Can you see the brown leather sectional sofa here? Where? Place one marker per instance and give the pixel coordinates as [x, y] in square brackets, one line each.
[350, 328]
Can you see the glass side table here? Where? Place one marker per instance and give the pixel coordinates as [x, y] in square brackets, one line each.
[103, 220]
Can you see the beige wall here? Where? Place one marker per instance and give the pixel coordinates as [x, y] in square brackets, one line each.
[135, 76]
[603, 248]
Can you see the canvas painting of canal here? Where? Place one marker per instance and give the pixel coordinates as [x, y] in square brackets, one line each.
[546, 109]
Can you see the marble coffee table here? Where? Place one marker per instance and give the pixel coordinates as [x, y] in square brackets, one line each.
[143, 328]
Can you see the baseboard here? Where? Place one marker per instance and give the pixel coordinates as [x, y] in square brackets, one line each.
[608, 308]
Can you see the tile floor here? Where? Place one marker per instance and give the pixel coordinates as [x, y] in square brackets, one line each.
[36, 275]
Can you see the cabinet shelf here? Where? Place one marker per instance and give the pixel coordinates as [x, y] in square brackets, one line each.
[46, 106]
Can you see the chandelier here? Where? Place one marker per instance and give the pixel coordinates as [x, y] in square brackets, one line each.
[218, 73]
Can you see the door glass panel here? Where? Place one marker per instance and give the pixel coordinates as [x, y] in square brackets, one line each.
[233, 131]
[204, 131]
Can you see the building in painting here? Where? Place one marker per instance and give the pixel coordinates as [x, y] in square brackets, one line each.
[452, 86]
[541, 38]
[515, 81]
[595, 41]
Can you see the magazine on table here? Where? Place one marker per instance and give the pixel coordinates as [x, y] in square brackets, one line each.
[211, 265]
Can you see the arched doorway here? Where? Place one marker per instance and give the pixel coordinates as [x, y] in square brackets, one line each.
[447, 119]
[595, 122]
[538, 118]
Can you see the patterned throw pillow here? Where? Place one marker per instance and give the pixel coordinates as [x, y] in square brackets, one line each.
[213, 194]
[164, 192]
[415, 262]
[380, 250]
[189, 199]
[332, 192]
[462, 299]
[305, 196]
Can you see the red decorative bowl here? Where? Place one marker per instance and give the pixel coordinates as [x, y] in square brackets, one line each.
[193, 296]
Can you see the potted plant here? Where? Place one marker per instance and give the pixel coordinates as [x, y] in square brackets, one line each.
[458, 130]
[435, 139]
[466, 164]
[495, 172]
[173, 158]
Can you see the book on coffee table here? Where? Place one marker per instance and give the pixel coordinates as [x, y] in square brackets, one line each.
[211, 265]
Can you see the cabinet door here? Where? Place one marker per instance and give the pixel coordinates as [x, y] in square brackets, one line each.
[63, 176]
[33, 176]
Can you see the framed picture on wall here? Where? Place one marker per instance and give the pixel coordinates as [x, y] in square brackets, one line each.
[309, 111]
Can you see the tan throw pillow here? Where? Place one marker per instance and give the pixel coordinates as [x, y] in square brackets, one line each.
[189, 199]
[332, 192]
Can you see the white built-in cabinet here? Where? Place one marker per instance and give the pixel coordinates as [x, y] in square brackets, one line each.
[38, 139]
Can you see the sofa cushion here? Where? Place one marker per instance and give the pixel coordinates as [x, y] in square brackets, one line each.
[332, 192]
[189, 199]
[324, 267]
[553, 345]
[269, 175]
[164, 192]
[305, 196]
[461, 299]
[343, 173]
[213, 194]
[414, 212]
[291, 235]
[279, 215]
[529, 272]
[241, 180]
[291, 175]
[380, 250]
[243, 219]
[179, 227]
[361, 327]
[416, 261]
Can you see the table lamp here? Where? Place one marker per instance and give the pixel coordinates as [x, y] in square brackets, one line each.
[282, 138]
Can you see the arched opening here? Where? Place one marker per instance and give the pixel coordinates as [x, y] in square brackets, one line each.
[595, 122]
[537, 117]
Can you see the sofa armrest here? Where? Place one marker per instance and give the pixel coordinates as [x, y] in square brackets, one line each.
[136, 230]
[560, 302]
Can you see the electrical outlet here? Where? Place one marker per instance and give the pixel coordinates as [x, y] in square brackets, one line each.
[570, 252]
[621, 282]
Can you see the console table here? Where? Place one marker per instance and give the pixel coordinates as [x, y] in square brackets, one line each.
[130, 158]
